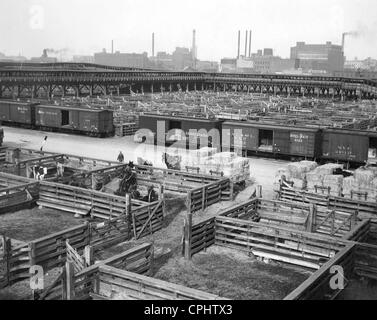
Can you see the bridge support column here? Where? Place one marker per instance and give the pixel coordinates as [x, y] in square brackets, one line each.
[195, 86]
[170, 88]
[187, 87]
[152, 88]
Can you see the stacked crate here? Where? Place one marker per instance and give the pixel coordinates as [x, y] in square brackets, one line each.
[126, 129]
[125, 124]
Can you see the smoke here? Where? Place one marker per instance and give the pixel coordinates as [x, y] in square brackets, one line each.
[59, 51]
[353, 33]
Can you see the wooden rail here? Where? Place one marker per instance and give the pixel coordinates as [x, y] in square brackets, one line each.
[317, 286]
[363, 209]
[133, 286]
[15, 197]
[137, 260]
[201, 198]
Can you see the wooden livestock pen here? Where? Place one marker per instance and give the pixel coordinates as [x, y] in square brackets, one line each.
[124, 276]
[201, 190]
[296, 216]
[363, 209]
[120, 219]
[293, 240]
[355, 260]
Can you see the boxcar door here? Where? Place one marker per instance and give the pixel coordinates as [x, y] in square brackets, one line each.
[281, 141]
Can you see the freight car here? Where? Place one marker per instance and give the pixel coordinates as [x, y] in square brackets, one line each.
[276, 140]
[92, 122]
[271, 139]
[167, 128]
[352, 146]
[17, 113]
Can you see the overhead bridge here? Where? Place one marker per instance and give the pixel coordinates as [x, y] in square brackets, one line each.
[81, 79]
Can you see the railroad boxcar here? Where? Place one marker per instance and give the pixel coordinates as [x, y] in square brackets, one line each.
[273, 139]
[353, 146]
[18, 113]
[167, 125]
[93, 122]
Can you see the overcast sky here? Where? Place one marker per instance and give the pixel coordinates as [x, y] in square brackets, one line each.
[87, 26]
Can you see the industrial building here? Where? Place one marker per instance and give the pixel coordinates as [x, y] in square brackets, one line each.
[319, 58]
[119, 59]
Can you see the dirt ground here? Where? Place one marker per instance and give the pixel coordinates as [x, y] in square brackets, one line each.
[230, 274]
[30, 224]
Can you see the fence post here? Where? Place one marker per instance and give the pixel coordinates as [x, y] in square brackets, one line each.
[309, 224]
[70, 289]
[32, 253]
[7, 251]
[161, 197]
[259, 191]
[88, 255]
[188, 235]
[129, 215]
[203, 198]
[231, 195]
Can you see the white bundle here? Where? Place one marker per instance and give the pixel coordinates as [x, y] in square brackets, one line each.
[335, 182]
[364, 177]
[313, 179]
[349, 184]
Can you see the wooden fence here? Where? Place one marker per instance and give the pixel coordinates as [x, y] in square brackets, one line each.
[16, 197]
[363, 209]
[365, 261]
[317, 286]
[201, 198]
[276, 243]
[79, 285]
[51, 251]
[132, 286]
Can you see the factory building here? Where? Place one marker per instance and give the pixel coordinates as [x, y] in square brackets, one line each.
[119, 59]
[4, 58]
[82, 59]
[318, 58]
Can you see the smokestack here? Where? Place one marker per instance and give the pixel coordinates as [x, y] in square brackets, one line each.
[250, 44]
[239, 44]
[343, 40]
[153, 44]
[194, 45]
[112, 46]
[246, 44]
